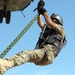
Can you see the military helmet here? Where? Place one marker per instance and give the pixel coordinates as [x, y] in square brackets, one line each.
[57, 17]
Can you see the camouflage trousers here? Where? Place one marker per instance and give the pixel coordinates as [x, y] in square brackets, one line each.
[40, 57]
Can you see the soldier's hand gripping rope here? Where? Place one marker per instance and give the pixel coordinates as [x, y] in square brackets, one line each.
[41, 3]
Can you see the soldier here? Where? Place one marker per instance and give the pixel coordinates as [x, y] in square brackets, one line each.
[50, 43]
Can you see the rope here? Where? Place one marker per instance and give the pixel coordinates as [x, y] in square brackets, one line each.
[18, 37]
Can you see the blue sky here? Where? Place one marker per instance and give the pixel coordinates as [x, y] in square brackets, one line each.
[64, 64]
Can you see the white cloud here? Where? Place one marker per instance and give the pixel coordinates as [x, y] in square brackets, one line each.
[41, 72]
[49, 72]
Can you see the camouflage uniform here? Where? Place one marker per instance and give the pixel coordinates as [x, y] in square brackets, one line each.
[43, 56]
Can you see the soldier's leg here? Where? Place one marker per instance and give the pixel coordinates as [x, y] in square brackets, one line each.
[21, 58]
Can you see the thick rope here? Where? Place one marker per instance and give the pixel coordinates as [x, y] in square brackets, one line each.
[18, 37]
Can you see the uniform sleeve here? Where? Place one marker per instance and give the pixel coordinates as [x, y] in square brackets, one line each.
[60, 30]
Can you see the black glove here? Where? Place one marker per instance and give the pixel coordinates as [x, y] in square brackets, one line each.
[41, 3]
[41, 10]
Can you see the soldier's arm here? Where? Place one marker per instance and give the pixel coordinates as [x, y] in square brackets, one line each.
[39, 21]
[53, 25]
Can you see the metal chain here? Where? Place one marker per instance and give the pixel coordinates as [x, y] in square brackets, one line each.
[18, 37]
